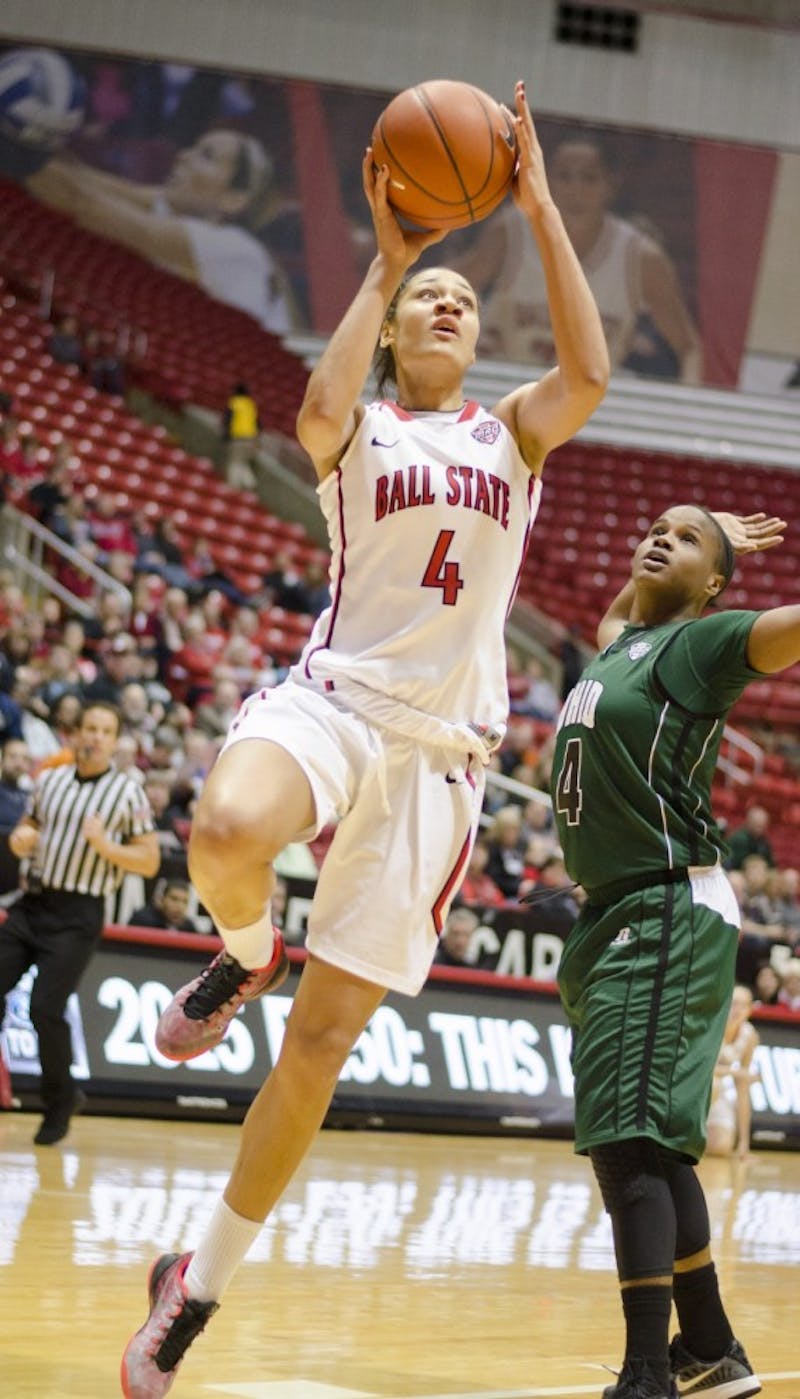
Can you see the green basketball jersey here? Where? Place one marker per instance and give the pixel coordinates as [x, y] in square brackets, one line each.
[637, 744]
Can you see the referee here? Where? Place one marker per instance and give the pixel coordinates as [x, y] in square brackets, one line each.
[87, 826]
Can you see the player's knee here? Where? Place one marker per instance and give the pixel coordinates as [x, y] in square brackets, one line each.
[626, 1172]
[225, 833]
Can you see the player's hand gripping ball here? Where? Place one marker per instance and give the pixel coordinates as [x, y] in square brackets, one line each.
[451, 152]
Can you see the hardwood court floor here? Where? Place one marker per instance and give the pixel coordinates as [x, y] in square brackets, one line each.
[396, 1266]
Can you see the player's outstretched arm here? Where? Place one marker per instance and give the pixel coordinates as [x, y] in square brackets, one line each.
[329, 411]
[544, 414]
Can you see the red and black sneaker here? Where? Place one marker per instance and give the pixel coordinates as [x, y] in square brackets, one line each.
[198, 1016]
[152, 1356]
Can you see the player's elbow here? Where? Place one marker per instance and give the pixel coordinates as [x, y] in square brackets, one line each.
[320, 426]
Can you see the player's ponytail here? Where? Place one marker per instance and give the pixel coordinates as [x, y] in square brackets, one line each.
[383, 364]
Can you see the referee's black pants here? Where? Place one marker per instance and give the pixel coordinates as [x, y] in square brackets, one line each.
[57, 932]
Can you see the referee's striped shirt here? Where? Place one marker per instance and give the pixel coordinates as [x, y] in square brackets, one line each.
[60, 803]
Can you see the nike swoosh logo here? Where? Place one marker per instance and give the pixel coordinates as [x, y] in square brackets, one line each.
[694, 1381]
[377, 443]
[448, 778]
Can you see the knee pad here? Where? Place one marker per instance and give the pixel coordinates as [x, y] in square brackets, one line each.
[626, 1171]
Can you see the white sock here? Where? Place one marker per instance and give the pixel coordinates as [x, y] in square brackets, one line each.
[223, 1246]
[253, 944]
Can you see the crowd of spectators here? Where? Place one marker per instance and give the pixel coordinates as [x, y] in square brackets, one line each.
[176, 648]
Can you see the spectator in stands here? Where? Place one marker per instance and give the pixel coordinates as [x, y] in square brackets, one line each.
[377, 716]
[317, 589]
[166, 751]
[51, 611]
[199, 563]
[64, 721]
[213, 609]
[168, 909]
[730, 1113]
[240, 428]
[519, 747]
[245, 664]
[191, 667]
[127, 757]
[69, 518]
[75, 575]
[15, 782]
[197, 224]
[105, 365]
[173, 613]
[216, 714]
[159, 784]
[19, 642]
[540, 699]
[478, 886]
[65, 343]
[551, 879]
[108, 620]
[216, 580]
[506, 839]
[144, 623]
[758, 907]
[138, 716]
[199, 754]
[59, 676]
[15, 789]
[110, 527]
[35, 459]
[284, 585]
[767, 985]
[12, 460]
[120, 566]
[783, 891]
[760, 927]
[453, 949]
[750, 839]
[159, 696]
[161, 552]
[36, 732]
[73, 636]
[537, 820]
[10, 715]
[119, 664]
[789, 994]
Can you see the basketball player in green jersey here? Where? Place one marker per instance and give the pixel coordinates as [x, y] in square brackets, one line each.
[648, 970]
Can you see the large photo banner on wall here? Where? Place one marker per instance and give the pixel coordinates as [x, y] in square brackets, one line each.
[251, 187]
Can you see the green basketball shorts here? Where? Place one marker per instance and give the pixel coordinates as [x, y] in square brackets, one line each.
[646, 983]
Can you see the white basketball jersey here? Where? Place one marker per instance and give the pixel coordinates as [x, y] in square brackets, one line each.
[428, 517]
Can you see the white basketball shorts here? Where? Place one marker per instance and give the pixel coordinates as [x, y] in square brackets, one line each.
[406, 817]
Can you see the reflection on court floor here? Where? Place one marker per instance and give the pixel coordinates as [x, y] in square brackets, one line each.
[395, 1267]
[351, 1219]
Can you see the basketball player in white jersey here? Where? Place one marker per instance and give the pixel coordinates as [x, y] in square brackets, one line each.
[390, 716]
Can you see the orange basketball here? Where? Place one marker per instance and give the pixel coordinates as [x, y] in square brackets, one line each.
[451, 153]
